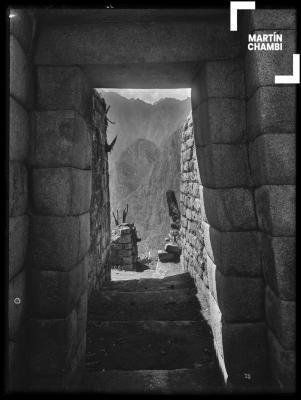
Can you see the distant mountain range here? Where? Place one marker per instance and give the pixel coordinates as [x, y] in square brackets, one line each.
[145, 161]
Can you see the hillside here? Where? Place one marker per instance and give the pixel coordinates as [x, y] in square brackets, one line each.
[145, 161]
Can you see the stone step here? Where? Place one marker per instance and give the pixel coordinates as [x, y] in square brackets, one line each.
[135, 345]
[173, 248]
[168, 305]
[178, 281]
[164, 256]
[178, 381]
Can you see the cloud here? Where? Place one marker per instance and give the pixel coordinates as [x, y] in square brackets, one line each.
[151, 95]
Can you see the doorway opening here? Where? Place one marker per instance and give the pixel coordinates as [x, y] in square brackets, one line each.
[143, 165]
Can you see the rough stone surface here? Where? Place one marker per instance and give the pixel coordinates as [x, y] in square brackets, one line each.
[262, 66]
[283, 364]
[18, 191]
[20, 74]
[269, 19]
[16, 312]
[276, 209]
[18, 131]
[279, 265]
[273, 160]
[265, 115]
[18, 239]
[54, 242]
[60, 138]
[223, 165]
[240, 299]
[123, 247]
[229, 209]
[234, 253]
[219, 120]
[245, 351]
[61, 191]
[64, 88]
[281, 318]
[224, 78]
[221, 251]
[100, 226]
[53, 344]
[56, 293]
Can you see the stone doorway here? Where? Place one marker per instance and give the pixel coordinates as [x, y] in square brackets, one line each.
[242, 147]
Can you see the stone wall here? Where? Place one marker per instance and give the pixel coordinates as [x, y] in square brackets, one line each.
[271, 129]
[124, 251]
[232, 286]
[238, 206]
[100, 201]
[60, 188]
[20, 106]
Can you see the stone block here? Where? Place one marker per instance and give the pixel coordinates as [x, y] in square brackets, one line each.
[276, 209]
[245, 351]
[282, 364]
[61, 191]
[173, 248]
[234, 253]
[223, 165]
[219, 120]
[17, 356]
[55, 293]
[262, 66]
[240, 299]
[16, 309]
[228, 209]
[125, 253]
[61, 138]
[164, 256]
[281, 318]
[54, 242]
[124, 230]
[64, 88]
[273, 160]
[221, 78]
[20, 74]
[266, 19]
[267, 115]
[84, 235]
[21, 27]
[53, 344]
[18, 131]
[18, 191]
[125, 239]
[18, 239]
[279, 265]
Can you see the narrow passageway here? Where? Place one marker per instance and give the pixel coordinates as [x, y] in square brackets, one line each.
[145, 334]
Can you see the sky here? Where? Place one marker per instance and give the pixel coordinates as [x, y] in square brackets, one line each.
[151, 95]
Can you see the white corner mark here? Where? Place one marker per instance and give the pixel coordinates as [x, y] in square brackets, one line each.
[295, 78]
[239, 5]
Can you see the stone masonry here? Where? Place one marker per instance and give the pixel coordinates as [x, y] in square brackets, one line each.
[124, 250]
[237, 181]
[100, 201]
[271, 133]
[238, 207]
[21, 91]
